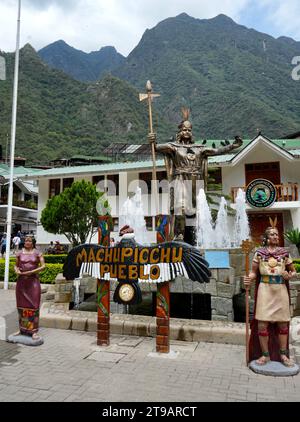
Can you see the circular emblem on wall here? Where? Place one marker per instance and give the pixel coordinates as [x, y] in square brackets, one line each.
[260, 193]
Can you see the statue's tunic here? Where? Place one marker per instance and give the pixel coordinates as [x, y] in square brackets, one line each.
[272, 296]
[186, 167]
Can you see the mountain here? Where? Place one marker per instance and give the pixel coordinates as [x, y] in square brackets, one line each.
[235, 80]
[61, 117]
[81, 66]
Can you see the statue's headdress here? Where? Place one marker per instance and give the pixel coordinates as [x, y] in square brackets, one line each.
[185, 116]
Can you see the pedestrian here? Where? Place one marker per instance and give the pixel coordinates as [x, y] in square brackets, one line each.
[16, 243]
[3, 244]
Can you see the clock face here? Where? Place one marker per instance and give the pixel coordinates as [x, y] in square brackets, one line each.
[126, 292]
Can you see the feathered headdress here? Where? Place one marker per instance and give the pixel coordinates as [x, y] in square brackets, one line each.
[273, 223]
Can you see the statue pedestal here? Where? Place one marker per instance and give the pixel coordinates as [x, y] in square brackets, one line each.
[275, 369]
[26, 340]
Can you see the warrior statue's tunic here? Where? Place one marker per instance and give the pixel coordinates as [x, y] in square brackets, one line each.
[272, 295]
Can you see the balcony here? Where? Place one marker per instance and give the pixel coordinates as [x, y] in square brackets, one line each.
[31, 205]
[285, 192]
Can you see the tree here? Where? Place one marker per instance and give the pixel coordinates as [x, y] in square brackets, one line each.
[73, 212]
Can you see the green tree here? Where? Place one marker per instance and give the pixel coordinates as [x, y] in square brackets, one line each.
[73, 212]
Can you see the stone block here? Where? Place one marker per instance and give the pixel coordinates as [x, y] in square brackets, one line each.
[217, 317]
[130, 328]
[221, 305]
[63, 322]
[117, 326]
[225, 275]
[198, 333]
[228, 336]
[60, 279]
[214, 274]
[211, 287]
[225, 290]
[63, 297]
[79, 323]
[91, 325]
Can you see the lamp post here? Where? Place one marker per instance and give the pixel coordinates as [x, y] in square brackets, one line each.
[12, 150]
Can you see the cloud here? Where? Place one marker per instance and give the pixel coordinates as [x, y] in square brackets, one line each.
[284, 15]
[91, 24]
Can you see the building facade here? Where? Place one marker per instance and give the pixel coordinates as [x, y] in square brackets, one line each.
[274, 160]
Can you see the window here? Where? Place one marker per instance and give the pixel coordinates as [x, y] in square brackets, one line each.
[215, 178]
[115, 224]
[149, 223]
[115, 179]
[146, 178]
[97, 179]
[67, 182]
[54, 187]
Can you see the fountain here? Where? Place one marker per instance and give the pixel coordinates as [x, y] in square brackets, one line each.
[241, 224]
[205, 231]
[222, 235]
[217, 236]
[76, 285]
[132, 213]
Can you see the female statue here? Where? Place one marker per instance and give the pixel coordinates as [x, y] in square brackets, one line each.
[29, 262]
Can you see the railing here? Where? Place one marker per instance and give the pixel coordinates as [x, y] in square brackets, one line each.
[285, 192]
[18, 203]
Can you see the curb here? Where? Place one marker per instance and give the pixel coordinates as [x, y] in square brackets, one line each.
[57, 316]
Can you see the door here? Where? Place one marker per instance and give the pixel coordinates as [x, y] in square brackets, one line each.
[258, 223]
[269, 171]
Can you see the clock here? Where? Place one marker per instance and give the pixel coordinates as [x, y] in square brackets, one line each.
[126, 292]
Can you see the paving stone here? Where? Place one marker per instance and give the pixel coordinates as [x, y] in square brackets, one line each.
[106, 357]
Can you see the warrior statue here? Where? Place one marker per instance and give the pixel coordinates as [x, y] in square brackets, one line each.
[186, 165]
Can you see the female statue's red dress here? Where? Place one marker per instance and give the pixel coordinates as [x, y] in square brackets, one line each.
[28, 292]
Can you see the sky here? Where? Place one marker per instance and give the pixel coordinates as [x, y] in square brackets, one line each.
[89, 25]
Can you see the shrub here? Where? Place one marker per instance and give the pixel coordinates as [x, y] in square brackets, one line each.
[55, 259]
[297, 268]
[50, 272]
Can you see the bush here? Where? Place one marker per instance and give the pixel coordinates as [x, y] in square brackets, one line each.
[47, 276]
[297, 267]
[55, 259]
[50, 272]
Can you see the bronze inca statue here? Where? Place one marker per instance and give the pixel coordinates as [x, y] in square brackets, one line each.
[186, 165]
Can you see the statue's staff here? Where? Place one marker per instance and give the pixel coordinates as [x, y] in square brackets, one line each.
[149, 96]
[247, 247]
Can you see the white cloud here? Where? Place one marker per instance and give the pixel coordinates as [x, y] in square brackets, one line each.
[91, 24]
[284, 15]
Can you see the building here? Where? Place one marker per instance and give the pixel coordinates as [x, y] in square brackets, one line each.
[274, 160]
[25, 199]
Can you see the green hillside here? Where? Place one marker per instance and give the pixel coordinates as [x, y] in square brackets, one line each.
[85, 67]
[60, 117]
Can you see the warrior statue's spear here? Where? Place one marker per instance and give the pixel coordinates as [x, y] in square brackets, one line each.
[247, 247]
[149, 96]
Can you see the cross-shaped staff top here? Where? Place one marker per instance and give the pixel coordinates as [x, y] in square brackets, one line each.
[247, 246]
[149, 94]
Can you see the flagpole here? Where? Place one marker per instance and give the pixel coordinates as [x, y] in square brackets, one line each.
[12, 150]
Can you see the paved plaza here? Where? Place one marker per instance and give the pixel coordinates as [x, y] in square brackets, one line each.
[70, 367]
